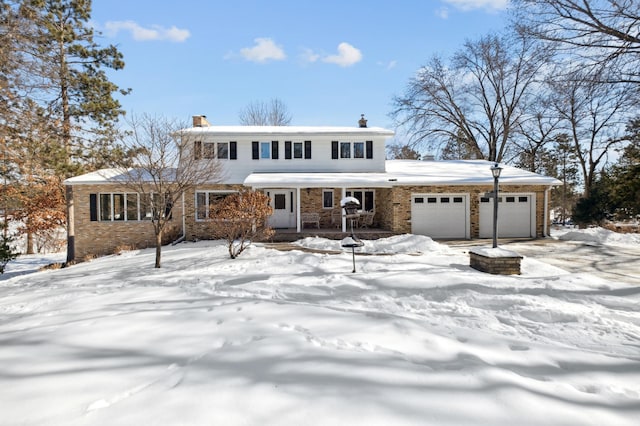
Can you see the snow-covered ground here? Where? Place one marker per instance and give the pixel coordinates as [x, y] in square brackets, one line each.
[295, 338]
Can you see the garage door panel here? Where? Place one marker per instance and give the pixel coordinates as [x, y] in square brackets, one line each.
[440, 215]
[515, 216]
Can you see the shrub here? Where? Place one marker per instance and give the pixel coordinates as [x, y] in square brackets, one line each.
[240, 219]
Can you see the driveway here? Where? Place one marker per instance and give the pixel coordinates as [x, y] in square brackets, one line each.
[613, 263]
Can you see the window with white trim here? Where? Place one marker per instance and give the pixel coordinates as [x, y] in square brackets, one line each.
[327, 198]
[366, 197]
[345, 149]
[117, 207]
[358, 150]
[205, 200]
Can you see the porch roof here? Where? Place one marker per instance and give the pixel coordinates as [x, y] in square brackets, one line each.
[405, 172]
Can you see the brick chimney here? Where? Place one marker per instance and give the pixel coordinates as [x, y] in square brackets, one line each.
[200, 121]
[362, 122]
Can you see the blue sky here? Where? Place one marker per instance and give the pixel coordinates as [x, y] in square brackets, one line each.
[328, 60]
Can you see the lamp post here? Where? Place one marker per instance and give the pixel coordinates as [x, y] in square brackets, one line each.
[495, 171]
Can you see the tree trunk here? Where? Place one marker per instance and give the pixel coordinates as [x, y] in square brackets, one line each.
[158, 248]
[30, 249]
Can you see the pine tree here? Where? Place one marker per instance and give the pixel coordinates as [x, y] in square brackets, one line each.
[56, 83]
[625, 175]
[6, 251]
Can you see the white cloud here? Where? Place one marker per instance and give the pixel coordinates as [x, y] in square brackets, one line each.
[479, 4]
[442, 12]
[264, 50]
[140, 33]
[309, 56]
[347, 56]
[388, 65]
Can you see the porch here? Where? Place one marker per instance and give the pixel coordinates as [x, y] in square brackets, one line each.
[291, 234]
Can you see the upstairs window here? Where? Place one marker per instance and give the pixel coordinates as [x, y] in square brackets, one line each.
[265, 150]
[223, 150]
[209, 150]
[345, 149]
[212, 150]
[297, 150]
[358, 150]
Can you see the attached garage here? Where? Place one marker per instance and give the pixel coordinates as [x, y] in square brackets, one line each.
[440, 215]
[516, 216]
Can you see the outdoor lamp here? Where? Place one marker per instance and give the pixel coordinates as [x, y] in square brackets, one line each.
[495, 171]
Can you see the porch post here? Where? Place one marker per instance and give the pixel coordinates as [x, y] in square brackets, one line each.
[298, 225]
[344, 218]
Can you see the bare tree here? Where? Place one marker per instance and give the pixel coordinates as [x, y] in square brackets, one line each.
[536, 132]
[594, 117]
[164, 168]
[605, 32]
[260, 113]
[476, 99]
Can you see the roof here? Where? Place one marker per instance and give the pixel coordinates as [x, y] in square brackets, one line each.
[398, 172]
[257, 131]
[115, 175]
[407, 172]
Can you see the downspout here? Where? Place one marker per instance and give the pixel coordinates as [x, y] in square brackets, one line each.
[184, 225]
[545, 231]
[184, 220]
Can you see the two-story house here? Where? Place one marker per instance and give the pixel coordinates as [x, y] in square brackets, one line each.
[306, 171]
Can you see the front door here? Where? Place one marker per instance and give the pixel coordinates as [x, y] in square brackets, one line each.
[283, 203]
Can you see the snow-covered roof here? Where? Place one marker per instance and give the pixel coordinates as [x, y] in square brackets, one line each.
[407, 172]
[258, 131]
[116, 175]
[398, 172]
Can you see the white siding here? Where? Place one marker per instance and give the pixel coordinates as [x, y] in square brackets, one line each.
[237, 170]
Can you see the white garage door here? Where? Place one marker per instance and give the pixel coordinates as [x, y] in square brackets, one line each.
[516, 216]
[440, 215]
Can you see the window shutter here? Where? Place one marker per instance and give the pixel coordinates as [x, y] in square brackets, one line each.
[168, 206]
[334, 150]
[369, 149]
[274, 150]
[93, 207]
[307, 149]
[287, 150]
[197, 150]
[255, 150]
[233, 150]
